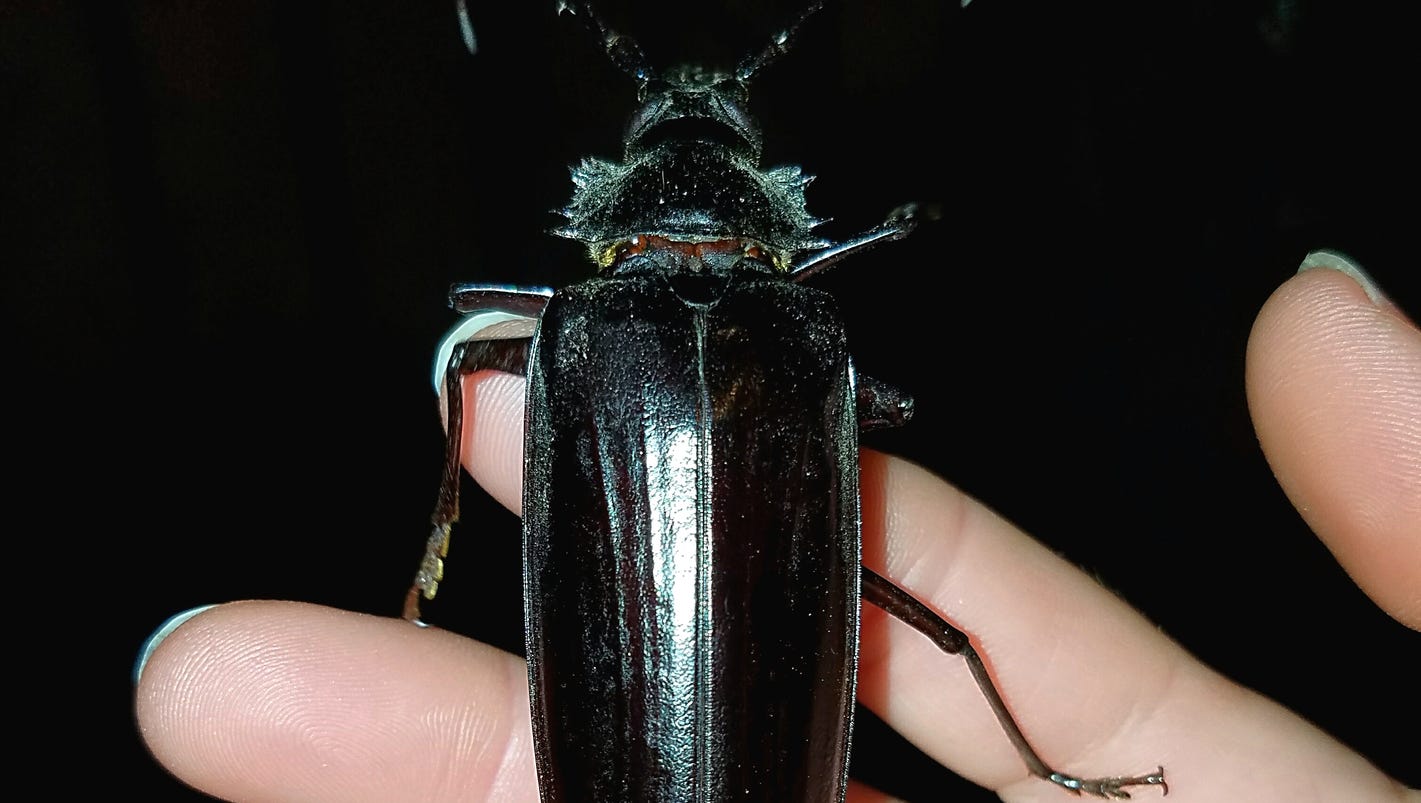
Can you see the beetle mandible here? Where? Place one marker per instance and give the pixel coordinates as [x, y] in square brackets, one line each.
[691, 511]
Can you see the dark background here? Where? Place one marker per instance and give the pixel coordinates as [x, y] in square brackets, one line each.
[228, 230]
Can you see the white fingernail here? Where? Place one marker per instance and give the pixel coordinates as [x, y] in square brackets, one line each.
[1340, 262]
[164, 630]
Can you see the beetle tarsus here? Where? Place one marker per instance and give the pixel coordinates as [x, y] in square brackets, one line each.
[411, 612]
[431, 571]
[1109, 788]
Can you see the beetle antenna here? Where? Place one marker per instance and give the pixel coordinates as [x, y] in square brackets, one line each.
[778, 46]
[466, 26]
[622, 50]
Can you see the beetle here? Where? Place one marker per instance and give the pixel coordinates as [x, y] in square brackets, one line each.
[691, 515]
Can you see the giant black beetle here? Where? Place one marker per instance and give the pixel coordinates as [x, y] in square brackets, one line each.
[691, 502]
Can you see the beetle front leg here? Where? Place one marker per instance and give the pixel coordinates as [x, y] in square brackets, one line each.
[904, 607]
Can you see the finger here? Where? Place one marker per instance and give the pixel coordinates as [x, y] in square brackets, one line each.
[1334, 386]
[280, 701]
[859, 793]
[493, 435]
[1096, 688]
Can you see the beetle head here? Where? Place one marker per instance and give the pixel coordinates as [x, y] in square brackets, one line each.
[691, 170]
[693, 103]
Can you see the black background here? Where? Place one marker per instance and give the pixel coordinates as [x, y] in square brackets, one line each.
[228, 231]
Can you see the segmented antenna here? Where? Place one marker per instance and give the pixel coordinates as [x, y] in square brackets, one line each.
[466, 26]
[778, 46]
[622, 50]
[628, 55]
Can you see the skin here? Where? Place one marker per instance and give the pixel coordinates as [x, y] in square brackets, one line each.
[276, 701]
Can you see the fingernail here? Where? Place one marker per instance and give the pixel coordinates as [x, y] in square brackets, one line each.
[164, 630]
[1340, 262]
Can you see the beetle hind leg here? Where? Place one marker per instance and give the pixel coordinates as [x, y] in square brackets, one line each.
[903, 606]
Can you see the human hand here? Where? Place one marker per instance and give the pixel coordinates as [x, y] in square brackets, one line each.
[274, 701]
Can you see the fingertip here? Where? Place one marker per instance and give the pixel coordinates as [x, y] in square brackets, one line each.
[493, 435]
[1333, 376]
[150, 644]
[264, 700]
[1329, 259]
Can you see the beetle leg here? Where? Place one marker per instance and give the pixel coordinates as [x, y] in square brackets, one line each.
[494, 334]
[880, 405]
[470, 356]
[903, 606]
[492, 312]
[899, 224]
[446, 507]
[524, 301]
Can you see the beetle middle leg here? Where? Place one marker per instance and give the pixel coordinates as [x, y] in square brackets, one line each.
[466, 358]
[495, 335]
[903, 606]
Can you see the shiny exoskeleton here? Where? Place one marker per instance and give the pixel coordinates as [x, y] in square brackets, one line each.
[691, 500]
